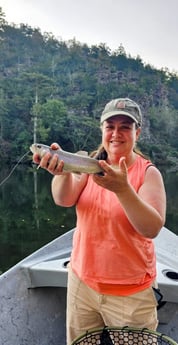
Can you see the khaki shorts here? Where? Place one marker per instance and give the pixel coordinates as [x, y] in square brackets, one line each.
[88, 309]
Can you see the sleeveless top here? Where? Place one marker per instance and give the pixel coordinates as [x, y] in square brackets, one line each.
[108, 254]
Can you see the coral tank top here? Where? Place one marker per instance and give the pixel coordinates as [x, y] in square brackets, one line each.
[108, 254]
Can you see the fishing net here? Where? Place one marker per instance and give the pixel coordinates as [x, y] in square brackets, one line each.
[122, 336]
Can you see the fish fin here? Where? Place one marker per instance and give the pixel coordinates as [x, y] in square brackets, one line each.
[82, 153]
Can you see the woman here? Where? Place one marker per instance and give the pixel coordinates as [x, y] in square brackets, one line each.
[113, 265]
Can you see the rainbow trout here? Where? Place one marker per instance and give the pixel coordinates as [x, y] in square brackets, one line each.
[78, 162]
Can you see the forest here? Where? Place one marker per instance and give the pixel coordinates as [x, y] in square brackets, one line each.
[54, 91]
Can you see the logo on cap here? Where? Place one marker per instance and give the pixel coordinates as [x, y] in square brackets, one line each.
[120, 105]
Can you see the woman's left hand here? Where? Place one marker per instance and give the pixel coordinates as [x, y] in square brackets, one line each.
[114, 178]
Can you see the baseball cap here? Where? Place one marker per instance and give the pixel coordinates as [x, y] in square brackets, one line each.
[122, 106]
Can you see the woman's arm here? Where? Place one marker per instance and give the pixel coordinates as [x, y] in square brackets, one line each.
[146, 209]
[67, 188]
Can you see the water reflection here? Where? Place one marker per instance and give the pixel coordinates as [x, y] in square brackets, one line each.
[29, 218]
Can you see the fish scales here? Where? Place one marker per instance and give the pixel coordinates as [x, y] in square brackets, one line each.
[73, 162]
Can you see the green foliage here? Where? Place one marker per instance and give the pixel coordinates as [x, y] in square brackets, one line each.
[51, 120]
[51, 90]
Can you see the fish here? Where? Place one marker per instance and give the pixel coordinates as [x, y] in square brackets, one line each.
[77, 163]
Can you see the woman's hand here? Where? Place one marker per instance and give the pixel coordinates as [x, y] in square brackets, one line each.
[145, 209]
[50, 162]
[114, 178]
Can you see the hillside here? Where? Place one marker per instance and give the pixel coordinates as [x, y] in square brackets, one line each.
[63, 87]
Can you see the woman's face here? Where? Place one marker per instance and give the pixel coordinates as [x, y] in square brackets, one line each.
[119, 134]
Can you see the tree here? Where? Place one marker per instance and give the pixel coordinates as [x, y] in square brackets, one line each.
[2, 19]
[52, 120]
[3, 114]
[72, 83]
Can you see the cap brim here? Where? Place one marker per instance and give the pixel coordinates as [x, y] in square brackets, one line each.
[106, 116]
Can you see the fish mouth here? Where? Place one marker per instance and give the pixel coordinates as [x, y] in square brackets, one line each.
[32, 148]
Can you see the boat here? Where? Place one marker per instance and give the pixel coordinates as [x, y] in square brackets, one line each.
[33, 292]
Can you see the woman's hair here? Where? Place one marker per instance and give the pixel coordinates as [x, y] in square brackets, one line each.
[100, 153]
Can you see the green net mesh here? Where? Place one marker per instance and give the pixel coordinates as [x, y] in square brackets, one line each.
[122, 336]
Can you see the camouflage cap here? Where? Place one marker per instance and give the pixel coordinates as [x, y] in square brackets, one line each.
[122, 106]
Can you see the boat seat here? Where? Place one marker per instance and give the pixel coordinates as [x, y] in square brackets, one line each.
[51, 273]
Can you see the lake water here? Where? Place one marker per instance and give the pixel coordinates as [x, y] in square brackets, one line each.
[29, 218]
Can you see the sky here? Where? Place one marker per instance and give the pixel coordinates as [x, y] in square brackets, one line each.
[145, 28]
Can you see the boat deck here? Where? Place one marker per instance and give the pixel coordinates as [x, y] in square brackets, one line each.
[33, 293]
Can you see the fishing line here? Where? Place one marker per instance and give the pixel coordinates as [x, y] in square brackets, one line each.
[15, 166]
